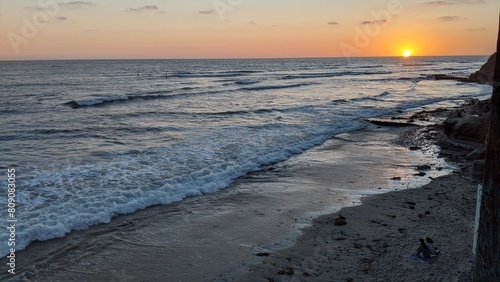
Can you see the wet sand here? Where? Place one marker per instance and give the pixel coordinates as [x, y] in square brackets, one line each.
[218, 237]
[381, 235]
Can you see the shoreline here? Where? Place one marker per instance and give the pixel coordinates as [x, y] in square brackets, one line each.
[378, 237]
[260, 213]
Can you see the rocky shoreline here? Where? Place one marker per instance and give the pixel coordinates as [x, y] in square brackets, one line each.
[375, 241]
[483, 76]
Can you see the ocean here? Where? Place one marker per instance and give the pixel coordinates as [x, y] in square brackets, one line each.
[90, 140]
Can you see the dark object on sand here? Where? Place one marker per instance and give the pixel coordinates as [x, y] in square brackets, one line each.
[389, 122]
[288, 271]
[263, 254]
[423, 167]
[340, 220]
[423, 251]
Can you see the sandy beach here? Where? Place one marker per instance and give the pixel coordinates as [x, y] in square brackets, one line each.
[381, 235]
[378, 238]
[217, 237]
[262, 228]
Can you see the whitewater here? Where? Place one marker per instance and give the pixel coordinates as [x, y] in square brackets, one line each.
[90, 140]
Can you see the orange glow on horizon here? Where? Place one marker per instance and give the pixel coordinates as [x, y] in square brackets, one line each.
[185, 29]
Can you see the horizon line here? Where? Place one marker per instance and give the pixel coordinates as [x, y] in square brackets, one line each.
[236, 58]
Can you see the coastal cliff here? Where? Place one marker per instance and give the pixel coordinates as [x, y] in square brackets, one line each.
[485, 74]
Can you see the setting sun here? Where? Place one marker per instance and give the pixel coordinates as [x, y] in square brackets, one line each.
[406, 53]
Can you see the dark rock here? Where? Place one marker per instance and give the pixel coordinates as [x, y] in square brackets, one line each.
[448, 77]
[340, 220]
[389, 122]
[477, 170]
[469, 128]
[288, 271]
[396, 178]
[358, 246]
[476, 154]
[415, 148]
[420, 174]
[485, 74]
[263, 254]
[423, 167]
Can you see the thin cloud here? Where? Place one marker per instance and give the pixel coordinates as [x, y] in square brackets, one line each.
[476, 29]
[144, 8]
[332, 23]
[69, 5]
[207, 12]
[439, 3]
[453, 2]
[452, 18]
[374, 22]
[34, 8]
[77, 4]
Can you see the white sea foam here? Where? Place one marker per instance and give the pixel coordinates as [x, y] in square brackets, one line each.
[169, 140]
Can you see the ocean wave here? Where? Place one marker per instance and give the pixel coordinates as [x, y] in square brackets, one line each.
[96, 101]
[271, 87]
[160, 94]
[56, 131]
[213, 74]
[229, 82]
[418, 64]
[332, 74]
[246, 82]
[242, 112]
[167, 94]
[74, 198]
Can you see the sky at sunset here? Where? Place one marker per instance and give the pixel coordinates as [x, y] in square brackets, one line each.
[171, 29]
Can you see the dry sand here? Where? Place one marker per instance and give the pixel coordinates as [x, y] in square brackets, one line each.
[380, 236]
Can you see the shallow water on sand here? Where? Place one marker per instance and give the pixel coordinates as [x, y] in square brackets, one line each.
[94, 139]
[215, 237]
